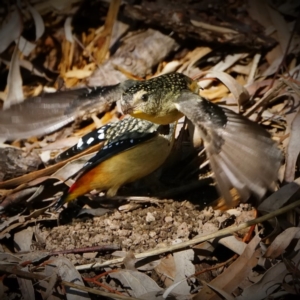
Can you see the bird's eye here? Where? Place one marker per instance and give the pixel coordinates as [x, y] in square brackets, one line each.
[144, 97]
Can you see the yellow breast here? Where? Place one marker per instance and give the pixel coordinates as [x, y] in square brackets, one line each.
[163, 120]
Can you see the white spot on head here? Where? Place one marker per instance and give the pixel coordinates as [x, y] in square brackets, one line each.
[80, 143]
[90, 140]
[101, 136]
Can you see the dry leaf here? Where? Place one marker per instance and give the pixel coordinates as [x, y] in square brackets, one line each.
[282, 241]
[170, 67]
[269, 283]
[26, 286]
[161, 296]
[238, 91]
[14, 82]
[230, 279]
[282, 30]
[204, 250]
[66, 270]
[67, 170]
[213, 28]
[25, 46]
[281, 197]
[9, 258]
[11, 29]
[135, 282]
[147, 264]
[184, 268]
[80, 74]
[137, 55]
[258, 10]
[192, 57]
[225, 295]
[23, 240]
[166, 270]
[62, 143]
[68, 30]
[232, 243]
[223, 65]
[293, 149]
[38, 21]
[15, 197]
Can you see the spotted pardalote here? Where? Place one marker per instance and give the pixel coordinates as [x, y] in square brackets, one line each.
[133, 148]
[241, 153]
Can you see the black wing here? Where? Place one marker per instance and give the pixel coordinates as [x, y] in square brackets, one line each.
[118, 136]
[126, 129]
[92, 138]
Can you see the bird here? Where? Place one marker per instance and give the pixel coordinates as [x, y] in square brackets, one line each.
[133, 148]
[241, 153]
[48, 112]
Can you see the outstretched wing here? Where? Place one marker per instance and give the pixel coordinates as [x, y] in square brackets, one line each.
[241, 153]
[46, 113]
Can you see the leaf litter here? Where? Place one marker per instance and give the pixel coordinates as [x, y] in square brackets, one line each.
[185, 247]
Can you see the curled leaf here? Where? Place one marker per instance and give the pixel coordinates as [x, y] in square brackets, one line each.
[14, 82]
[281, 242]
[11, 29]
[38, 21]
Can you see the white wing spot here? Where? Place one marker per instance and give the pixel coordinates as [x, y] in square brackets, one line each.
[101, 136]
[131, 141]
[80, 143]
[90, 140]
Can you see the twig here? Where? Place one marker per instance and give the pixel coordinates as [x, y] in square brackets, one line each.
[96, 282]
[255, 62]
[107, 32]
[214, 267]
[220, 233]
[97, 292]
[293, 86]
[246, 239]
[99, 248]
[265, 99]
[22, 181]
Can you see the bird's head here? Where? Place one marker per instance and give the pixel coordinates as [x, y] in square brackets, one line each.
[154, 99]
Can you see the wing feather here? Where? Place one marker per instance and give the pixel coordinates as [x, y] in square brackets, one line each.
[241, 153]
[46, 113]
